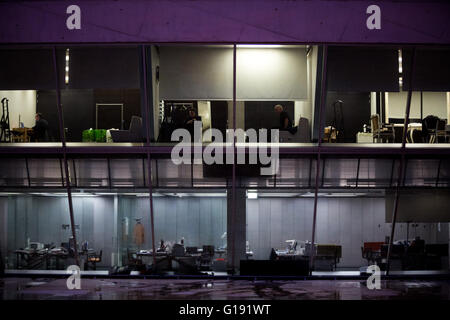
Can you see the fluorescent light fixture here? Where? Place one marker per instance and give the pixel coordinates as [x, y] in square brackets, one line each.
[252, 195]
[259, 46]
[5, 194]
[66, 78]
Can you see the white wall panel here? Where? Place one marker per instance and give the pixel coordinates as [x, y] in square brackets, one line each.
[271, 73]
[196, 73]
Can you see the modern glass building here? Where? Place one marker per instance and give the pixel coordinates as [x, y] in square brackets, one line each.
[87, 155]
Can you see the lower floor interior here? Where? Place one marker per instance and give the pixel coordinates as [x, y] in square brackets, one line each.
[193, 233]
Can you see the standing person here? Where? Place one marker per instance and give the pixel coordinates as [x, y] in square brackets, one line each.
[40, 129]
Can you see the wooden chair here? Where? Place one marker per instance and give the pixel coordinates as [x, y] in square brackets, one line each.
[381, 132]
[440, 132]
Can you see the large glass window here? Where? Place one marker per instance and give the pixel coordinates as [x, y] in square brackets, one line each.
[275, 86]
[100, 94]
[190, 231]
[195, 83]
[25, 73]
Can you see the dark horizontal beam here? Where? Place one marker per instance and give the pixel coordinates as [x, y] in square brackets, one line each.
[209, 189]
[80, 149]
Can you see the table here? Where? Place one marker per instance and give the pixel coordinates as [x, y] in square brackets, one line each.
[33, 258]
[58, 256]
[21, 134]
[412, 127]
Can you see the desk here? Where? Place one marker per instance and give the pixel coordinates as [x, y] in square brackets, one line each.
[57, 256]
[21, 134]
[33, 258]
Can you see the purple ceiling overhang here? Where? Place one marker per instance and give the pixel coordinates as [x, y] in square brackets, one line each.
[229, 21]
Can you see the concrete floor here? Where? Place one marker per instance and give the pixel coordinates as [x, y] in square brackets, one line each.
[139, 289]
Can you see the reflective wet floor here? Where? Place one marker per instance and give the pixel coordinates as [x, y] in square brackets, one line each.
[208, 289]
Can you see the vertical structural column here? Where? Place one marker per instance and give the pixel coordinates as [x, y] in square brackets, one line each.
[323, 90]
[64, 149]
[236, 227]
[231, 216]
[402, 160]
[148, 96]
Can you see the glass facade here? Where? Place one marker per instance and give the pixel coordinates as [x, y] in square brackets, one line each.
[347, 167]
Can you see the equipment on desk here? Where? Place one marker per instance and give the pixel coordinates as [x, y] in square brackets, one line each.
[163, 247]
[292, 245]
[178, 250]
[191, 250]
[291, 252]
[364, 137]
[35, 246]
[85, 246]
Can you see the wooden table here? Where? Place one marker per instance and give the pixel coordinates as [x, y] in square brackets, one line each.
[21, 134]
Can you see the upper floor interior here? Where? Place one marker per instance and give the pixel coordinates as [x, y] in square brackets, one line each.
[335, 93]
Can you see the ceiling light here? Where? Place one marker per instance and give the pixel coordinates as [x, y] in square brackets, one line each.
[252, 195]
[259, 46]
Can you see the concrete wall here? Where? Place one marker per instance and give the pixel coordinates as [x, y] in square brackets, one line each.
[347, 221]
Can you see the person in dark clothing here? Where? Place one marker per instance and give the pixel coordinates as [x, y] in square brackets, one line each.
[285, 121]
[40, 129]
[189, 123]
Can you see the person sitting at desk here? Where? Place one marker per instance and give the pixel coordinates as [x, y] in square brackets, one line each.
[285, 121]
[40, 129]
[189, 123]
